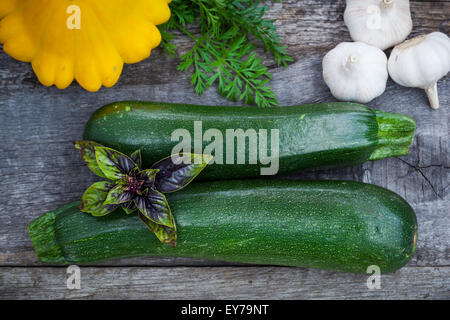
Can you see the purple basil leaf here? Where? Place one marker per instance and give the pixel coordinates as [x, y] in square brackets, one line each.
[154, 206]
[137, 158]
[93, 200]
[167, 235]
[114, 164]
[149, 176]
[87, 151]
[129, 207]
[177, 171]
[119, 194]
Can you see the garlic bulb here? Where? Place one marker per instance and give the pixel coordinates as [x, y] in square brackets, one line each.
[380, 23]
[355, 71]
[420, 62]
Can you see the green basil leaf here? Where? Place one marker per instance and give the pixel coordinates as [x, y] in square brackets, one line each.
[93, 200]
[155, 207]
[87, 152]
[177, 171]
[119, 194]
[114, 164]
[137, 158]
[167, 235]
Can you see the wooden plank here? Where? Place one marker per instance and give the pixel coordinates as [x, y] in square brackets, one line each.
[221, 283]
[38, 124]
[319, 24]
[307, 27]
[30, 166]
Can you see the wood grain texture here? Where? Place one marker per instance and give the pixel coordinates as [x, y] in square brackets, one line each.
[37, 125]
[221, 283]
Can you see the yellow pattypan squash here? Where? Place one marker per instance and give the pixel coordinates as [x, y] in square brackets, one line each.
[88, 40]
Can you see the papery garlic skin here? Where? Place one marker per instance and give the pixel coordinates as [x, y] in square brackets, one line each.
[379, 23]
[355, 71]
[420, 62]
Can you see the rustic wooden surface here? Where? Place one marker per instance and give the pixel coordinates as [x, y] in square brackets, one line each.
[37, 125]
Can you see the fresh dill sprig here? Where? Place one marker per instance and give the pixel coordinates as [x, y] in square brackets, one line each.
[224, 52]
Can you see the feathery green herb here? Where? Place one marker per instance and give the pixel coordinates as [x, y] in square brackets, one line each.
[224, 51]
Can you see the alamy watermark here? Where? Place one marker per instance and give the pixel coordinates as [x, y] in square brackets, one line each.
[74, 279]
[374, 281]
[74, 20]
[261, 149]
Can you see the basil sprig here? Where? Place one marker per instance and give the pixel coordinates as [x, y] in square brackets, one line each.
[133, 188]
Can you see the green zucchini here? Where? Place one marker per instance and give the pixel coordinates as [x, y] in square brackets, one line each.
[335, 225]
[320, 135]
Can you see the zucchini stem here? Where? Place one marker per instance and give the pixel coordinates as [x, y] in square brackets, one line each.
[43, 236]
[395, 135]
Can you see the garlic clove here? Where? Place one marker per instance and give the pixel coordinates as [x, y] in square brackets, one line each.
[380, 23]
[355, 71]
[420, 62]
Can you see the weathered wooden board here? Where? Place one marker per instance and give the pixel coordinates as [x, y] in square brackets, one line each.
[37, 125]
[222, 283]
